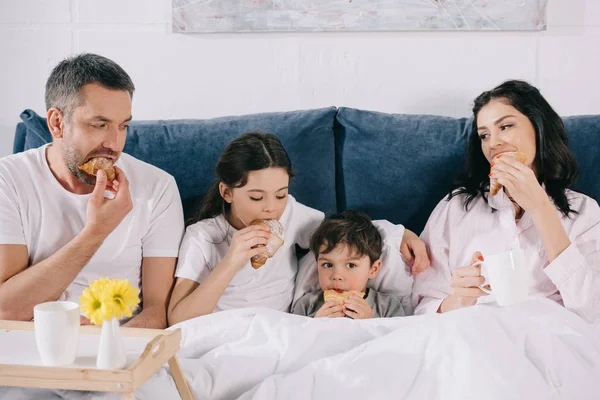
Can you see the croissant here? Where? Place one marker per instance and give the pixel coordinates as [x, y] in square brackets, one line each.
[494, 185]
[274, 243]
[92, 166]
[340, 297]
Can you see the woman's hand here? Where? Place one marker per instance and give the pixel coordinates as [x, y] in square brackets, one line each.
[521, 183]
[414, 251]
[465, 284]
[241, 249]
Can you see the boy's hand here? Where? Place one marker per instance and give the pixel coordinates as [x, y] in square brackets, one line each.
[357, 308]
[330, 310]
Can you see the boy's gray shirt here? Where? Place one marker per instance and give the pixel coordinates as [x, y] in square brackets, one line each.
[383, 305]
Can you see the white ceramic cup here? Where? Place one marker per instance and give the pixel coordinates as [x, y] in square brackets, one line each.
[56, 331]
[506, 275]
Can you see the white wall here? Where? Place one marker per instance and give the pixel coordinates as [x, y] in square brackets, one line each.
[203, 76]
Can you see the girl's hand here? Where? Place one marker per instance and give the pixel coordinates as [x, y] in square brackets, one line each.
[241, 249]
[330, 310]
[465, 286]
[357, 308]
[414, 251]
[521, 183]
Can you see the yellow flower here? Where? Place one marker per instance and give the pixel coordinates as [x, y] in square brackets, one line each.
[93, 303]
[99, 284]
[122, 298]
[108, 298]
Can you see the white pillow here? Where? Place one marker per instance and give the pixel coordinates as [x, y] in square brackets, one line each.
[394, 276]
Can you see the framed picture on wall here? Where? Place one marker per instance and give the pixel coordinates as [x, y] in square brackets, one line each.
[357, 15]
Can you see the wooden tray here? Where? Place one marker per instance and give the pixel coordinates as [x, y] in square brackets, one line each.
[147, 350]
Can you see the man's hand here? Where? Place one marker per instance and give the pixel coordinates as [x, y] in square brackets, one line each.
[104, 215]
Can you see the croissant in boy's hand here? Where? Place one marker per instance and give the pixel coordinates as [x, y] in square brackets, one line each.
[339, 297]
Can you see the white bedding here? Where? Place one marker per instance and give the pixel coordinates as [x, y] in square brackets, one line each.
[536, 350]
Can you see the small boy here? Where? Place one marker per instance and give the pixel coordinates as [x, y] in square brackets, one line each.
[348, 249]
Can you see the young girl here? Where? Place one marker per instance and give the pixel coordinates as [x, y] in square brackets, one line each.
[214, 271]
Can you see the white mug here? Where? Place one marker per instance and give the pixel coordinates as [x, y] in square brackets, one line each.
[56, 326]
[506, 275]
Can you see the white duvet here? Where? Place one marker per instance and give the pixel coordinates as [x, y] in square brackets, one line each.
[536, 350]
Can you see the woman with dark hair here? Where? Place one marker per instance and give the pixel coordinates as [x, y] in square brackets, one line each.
[557, 229]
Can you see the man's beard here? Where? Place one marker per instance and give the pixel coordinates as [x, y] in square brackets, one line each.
[73, 158]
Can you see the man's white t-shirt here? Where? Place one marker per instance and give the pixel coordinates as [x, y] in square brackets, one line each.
[271, 286]
[36, 211]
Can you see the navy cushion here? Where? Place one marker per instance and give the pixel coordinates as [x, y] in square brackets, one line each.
[189, 149]
[20, 136]
[31, 133]
[584, 140]
[397, 167]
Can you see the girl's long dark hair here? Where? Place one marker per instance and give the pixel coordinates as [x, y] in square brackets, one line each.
[250, 152]
[554, 163]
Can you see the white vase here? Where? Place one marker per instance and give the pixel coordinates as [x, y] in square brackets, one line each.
[111, 353]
